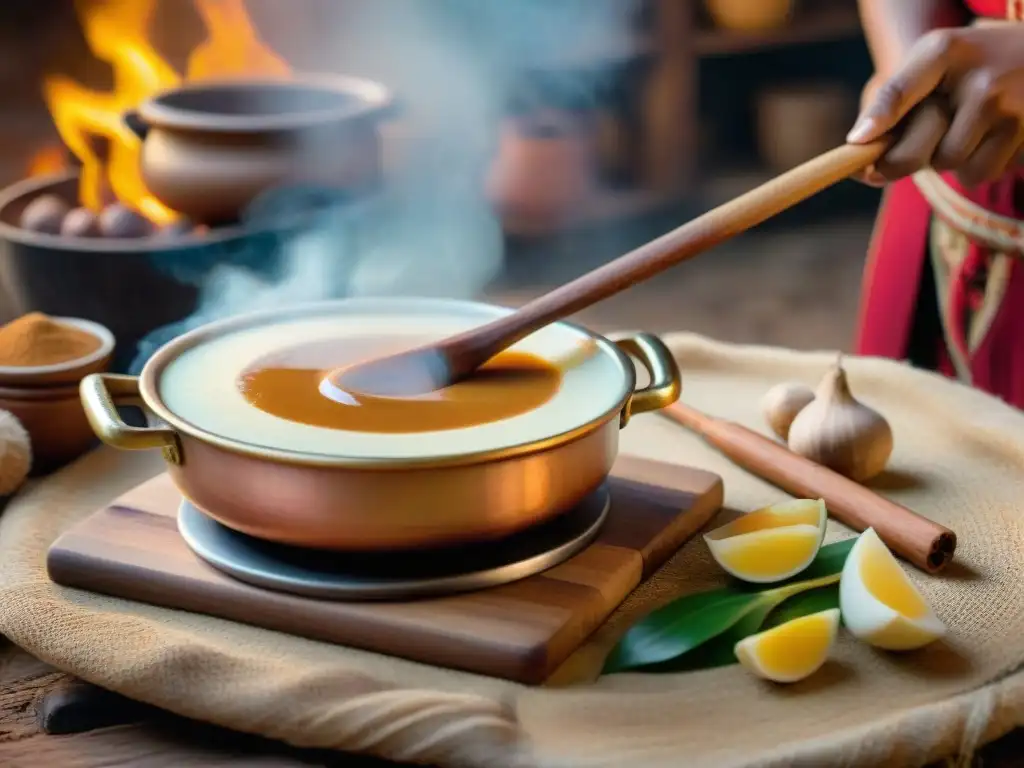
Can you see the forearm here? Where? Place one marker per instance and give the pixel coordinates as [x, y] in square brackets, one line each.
[893, 26]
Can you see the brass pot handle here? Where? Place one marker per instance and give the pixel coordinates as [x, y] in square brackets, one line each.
[666, 379]
[100, 392]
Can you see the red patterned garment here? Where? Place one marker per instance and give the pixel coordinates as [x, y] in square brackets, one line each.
[930, 256]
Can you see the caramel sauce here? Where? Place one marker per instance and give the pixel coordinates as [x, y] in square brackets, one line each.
[509, 385]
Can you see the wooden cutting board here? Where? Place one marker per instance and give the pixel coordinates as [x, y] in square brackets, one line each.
[520, 631]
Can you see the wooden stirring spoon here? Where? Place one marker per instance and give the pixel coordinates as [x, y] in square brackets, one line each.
[428, 368]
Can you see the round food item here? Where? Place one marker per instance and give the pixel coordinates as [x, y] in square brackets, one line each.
[770, 544]
[44, 214]
[782, 403]
[792, 651]
[117, 220]
[80, 222]
[15, 453]
[879, 602]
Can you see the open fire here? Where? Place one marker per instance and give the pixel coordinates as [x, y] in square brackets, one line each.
[317, 198]
[91, 123]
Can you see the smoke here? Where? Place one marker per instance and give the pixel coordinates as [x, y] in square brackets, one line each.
[454, 66]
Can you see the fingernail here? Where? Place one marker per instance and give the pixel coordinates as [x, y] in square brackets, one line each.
[861, 130]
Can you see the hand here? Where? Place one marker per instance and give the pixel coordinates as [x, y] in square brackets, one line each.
[956, 103]
[871, 175]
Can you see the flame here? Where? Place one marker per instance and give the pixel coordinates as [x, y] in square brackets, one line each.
[232, 47]
[50, 159]
[91, 124]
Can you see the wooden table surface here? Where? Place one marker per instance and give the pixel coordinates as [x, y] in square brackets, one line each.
[132, 736]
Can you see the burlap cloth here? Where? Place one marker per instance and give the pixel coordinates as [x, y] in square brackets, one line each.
[959, 458]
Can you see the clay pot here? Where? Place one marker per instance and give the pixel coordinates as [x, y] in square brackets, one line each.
[544, 170]
[750, 15]
[55, 421]
[209, 149]
[46, 400]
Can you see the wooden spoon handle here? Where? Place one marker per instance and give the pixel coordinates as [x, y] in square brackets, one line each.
[694, 237]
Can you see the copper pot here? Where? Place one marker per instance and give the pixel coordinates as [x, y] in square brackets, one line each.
[209, 149]
[293, 483]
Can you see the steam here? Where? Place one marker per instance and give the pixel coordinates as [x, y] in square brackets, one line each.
[453, 65]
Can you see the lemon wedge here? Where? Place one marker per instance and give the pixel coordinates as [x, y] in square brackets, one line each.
[880, 605]
[770, 544]
[791, 651]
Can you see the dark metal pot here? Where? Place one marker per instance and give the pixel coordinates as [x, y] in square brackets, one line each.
[131, 286]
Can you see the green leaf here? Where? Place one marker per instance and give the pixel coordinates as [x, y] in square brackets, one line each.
[803, 604]
[681, 626]
[718, 651]
[677, 636]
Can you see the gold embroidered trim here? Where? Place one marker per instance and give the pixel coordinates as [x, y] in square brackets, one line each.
[995, 291]
[990, 230]
[945, 249]
[948, 248]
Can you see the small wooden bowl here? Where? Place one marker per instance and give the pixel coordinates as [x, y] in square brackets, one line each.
[69, 372]
[55, 421]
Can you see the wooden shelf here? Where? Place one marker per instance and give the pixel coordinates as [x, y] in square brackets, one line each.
[821, 24]
[813, 26]
[667, 104]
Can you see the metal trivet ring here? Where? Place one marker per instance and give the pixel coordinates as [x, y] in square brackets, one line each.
[393, 575]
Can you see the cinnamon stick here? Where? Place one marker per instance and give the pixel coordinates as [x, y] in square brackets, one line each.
[920, 541]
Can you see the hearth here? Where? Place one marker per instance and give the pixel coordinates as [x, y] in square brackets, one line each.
[173, 176]
[134, 286]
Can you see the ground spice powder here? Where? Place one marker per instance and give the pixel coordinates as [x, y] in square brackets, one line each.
[35, 339]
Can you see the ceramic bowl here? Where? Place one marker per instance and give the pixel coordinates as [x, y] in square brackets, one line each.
[134, 286]
[69, 372]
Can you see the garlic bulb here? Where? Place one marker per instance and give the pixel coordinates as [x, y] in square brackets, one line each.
[15, 453]
[782, 403]
[841, 433]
